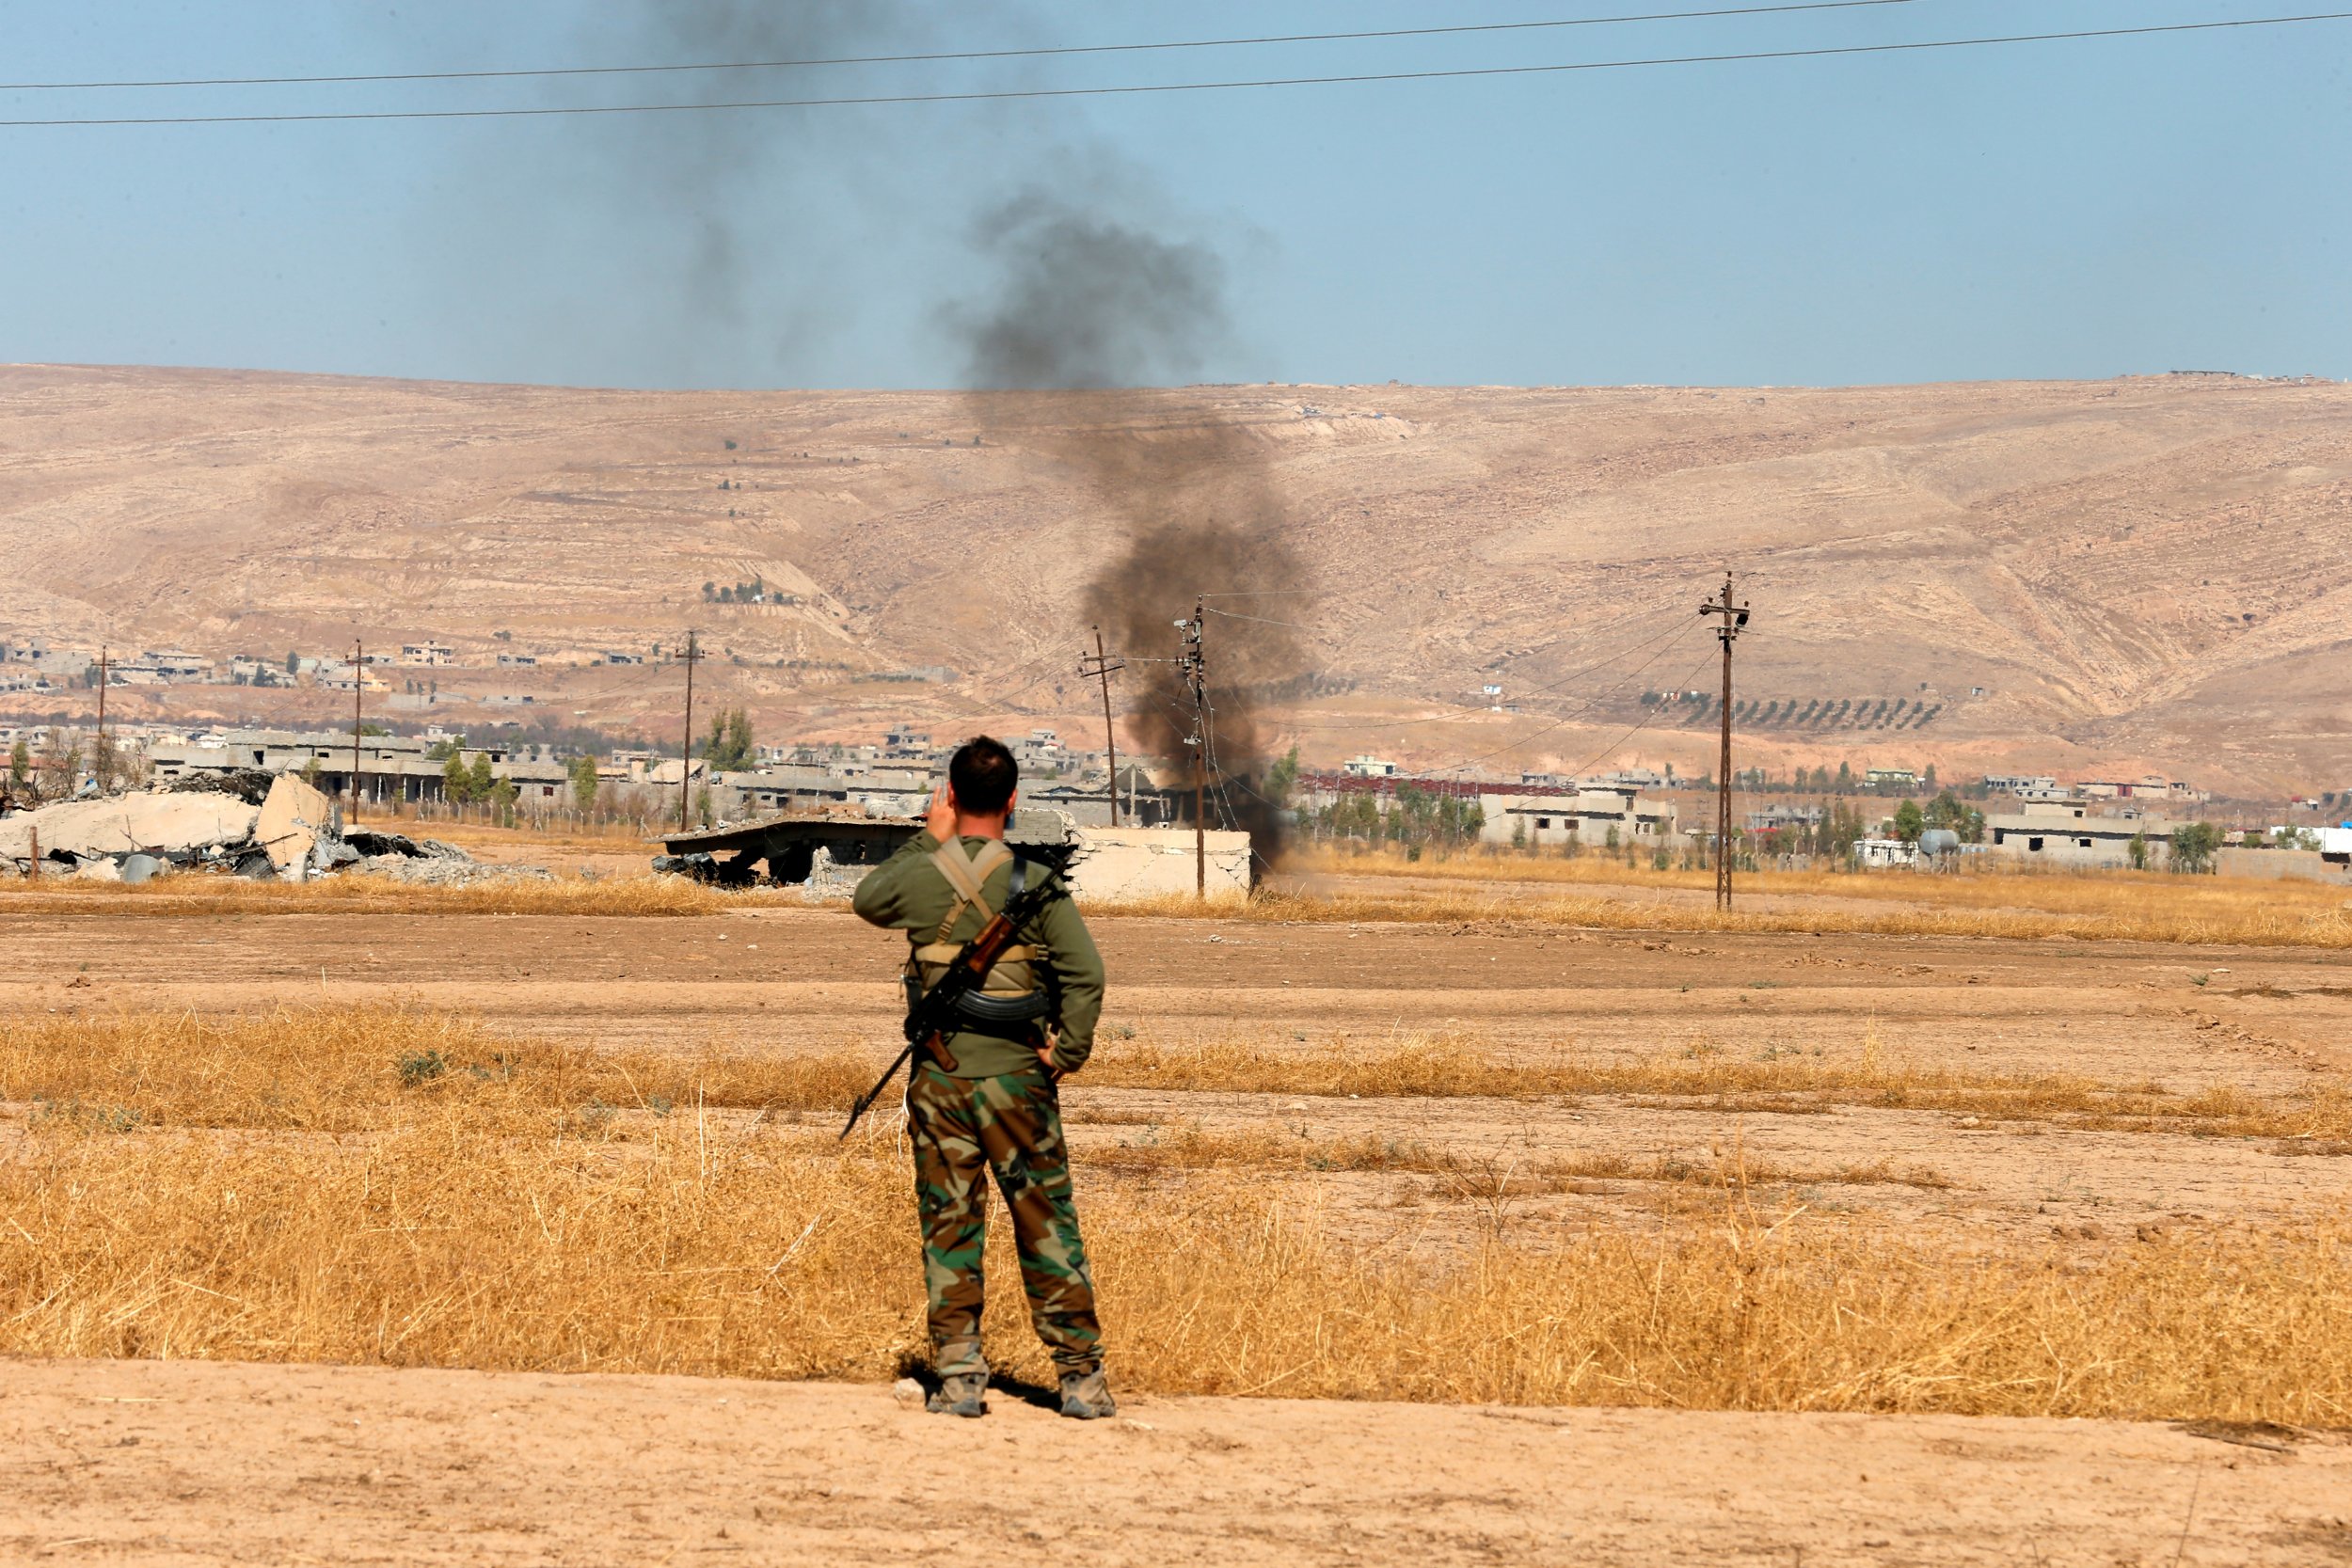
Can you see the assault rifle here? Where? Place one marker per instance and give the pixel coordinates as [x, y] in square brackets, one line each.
[933, 1018]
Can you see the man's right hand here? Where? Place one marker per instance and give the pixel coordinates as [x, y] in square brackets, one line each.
[940, 820]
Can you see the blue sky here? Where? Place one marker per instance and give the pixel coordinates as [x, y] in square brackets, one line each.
[2082, 209]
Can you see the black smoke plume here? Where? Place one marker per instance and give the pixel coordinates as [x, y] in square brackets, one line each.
[1091, 310]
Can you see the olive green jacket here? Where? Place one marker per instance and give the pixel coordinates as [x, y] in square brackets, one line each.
[907, 893]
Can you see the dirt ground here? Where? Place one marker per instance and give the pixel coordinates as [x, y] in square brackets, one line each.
[177, 1462]
[186, 1462]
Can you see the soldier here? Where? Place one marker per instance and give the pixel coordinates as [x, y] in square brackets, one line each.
[997, 1109]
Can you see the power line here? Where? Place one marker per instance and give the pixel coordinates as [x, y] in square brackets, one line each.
[1569, 718]
[1646, 719]
[1003, 95]
[1261, 619]
[1671, 631]
[943, 57]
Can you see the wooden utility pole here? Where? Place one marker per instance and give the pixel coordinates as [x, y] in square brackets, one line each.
[1192, 667]
[100, 759]
[686, 766]
[1102, 670]
[359, 691]
[1734, 616]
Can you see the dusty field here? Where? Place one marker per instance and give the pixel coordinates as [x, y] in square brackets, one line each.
[2272, 1023]
[2079, 1108]
[192, 1464]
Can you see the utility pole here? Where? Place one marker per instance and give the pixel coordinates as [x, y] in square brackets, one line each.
[1192, 668]
[1102, 670]
[1734, 616]
[686, 766]
[103, 761]
[358, 689]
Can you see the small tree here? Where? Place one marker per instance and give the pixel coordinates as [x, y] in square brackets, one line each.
[583, 779]
[2138, 849]
[1910, 822]
[480, 780]
[1282, 778]
[730, 746]
[456, 783]
[19, 763]
[293, 662]
[2193, 846]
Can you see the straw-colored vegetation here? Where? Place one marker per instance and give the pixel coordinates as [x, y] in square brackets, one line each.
[2111, 907]
[400, 1187]
[2256, 920]
[1153, 1146]
[2141, 896]
[1447, 1065]
[358, 893]
[360, 1068]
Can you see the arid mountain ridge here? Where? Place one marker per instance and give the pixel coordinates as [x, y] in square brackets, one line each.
[2145, 574]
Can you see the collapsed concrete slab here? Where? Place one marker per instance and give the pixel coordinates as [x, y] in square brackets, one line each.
[293, 819]
[293, 833]
[164, 824]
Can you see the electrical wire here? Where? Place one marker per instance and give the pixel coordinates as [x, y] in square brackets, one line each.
[944, 55]
[1569, 719]
[1010, 94]
[1463, 709]
[1646, 720]
[1261, 620]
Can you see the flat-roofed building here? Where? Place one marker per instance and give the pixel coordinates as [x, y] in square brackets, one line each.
[2065, 832]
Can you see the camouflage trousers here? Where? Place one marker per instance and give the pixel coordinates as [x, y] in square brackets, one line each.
[964, 1130]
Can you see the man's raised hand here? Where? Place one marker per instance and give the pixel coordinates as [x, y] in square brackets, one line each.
[941, 818]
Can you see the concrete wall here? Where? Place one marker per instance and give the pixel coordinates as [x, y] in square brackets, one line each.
[1146, 862]
[2306, 864]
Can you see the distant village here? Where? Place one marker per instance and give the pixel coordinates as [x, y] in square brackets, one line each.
[1880, 818]
[1813, 815]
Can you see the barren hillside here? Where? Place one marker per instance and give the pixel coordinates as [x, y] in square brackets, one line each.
[2150, 573]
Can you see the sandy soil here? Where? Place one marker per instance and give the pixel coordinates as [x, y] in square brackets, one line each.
[195, 1463]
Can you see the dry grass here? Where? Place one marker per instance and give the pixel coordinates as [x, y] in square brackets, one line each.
[2255, 922]
[2024, 901]
[1452, 1066]
[352, 1068]
[348, 893]
[340, 1070]
[278, 1188]
[450, 1240]
[2170, 910]
[1155, 1147]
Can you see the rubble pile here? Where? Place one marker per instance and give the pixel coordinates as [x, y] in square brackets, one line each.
[248, 824]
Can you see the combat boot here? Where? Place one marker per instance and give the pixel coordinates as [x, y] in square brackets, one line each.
[1086, 1397]
[962, 1394]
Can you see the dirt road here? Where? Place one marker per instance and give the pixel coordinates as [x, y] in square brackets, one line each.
[196, 1464]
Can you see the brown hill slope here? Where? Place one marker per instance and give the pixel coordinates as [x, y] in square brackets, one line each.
[2151, 572]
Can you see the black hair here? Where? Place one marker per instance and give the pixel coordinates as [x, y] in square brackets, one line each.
[984, 774]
